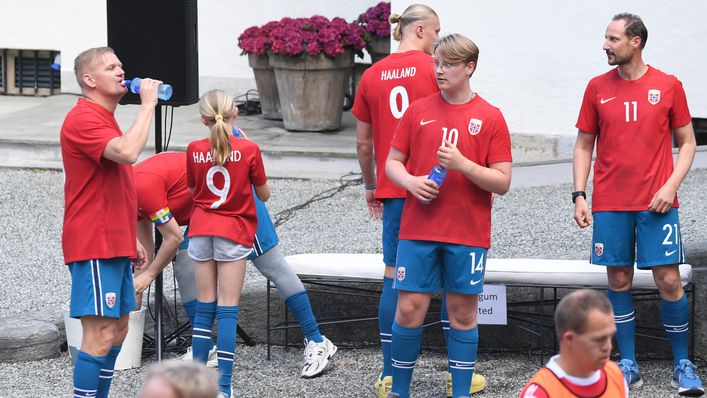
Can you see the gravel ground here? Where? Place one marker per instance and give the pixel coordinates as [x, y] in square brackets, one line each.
[527, 222]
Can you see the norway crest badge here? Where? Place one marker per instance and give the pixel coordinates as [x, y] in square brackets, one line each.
[653, 96]
[598, 249]
[110, 299]
[401, 273]
[475, 126]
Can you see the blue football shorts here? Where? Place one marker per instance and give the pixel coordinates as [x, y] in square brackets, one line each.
[102, 288]
[426, 266]
[622, 238]
[392, 213]
[265, 237]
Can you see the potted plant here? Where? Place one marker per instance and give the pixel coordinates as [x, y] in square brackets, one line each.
[376, 26]
[312, 59]
[256, 42]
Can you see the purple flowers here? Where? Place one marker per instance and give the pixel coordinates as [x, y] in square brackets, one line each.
[303, 36]
[375, 21]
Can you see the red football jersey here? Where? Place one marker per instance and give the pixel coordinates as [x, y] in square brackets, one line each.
[223, 196]
[386, 90]
[161, 185]
[632, 120]
[461, 213]
[99, 194]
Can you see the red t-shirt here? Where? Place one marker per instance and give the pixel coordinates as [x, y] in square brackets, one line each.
[386, 89]
[99, 195]
[632, 120]
[223, 196]
[461, 213]
[161, 185]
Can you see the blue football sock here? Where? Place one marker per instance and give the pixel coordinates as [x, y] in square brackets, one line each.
[87, 370]
[298, 303]
[226, 344]
[406, 348]
[201, 341]
[625, 319]
[676, 322]
[461, 348]
[386, 316]
[190, 309]
[444, 318]
[106, 376]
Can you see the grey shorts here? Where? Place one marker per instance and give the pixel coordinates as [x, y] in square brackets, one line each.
[205, 248]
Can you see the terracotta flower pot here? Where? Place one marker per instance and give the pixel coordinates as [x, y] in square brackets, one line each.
[267, 87]
[312, 90]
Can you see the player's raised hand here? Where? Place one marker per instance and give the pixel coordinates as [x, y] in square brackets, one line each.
[148, 91]
[449, 156]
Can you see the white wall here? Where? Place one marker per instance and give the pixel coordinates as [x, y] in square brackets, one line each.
[536, 57]
[535, 61]
[71, 26]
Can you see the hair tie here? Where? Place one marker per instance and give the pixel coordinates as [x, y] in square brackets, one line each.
[218, 117]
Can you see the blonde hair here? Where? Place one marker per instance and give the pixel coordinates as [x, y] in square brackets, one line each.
[457, 49]
[216, 107]
[412, 14]
[86, 59]
[187, 379]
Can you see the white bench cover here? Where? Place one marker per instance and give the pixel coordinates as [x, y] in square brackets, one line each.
[501, 271]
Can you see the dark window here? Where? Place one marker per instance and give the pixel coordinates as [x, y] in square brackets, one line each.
[35, 72]
[700, 126]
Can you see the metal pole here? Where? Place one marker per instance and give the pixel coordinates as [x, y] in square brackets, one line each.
[159, 285]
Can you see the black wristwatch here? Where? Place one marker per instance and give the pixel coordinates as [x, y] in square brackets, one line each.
[577, 194]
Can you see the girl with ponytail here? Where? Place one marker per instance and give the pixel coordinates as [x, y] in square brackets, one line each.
[220, 172]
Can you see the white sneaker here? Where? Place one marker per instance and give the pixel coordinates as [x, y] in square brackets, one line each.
[316, 357]
[211, 362]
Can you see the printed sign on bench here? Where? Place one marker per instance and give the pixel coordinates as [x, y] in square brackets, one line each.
[492, 306]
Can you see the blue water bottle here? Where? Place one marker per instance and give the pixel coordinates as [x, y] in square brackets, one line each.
[437, 175]
[164, 91]
[236, 132]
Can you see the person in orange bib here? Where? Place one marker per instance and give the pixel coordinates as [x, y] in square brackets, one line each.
[584, 324]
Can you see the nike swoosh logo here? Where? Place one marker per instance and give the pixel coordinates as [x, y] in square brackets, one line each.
[667, 253]
[423, 122]
[605, 100]
[472, 283]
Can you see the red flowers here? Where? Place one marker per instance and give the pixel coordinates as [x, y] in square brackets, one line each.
[375, 21]
[303, 36]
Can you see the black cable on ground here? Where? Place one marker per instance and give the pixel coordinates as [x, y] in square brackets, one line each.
[345, 181]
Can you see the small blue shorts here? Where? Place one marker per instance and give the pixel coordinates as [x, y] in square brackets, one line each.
[426, 266]
[644, 237]
[102, 288]
[392, 212]
[265, 237]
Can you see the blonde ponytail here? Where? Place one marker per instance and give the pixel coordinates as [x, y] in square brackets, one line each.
[216, 107]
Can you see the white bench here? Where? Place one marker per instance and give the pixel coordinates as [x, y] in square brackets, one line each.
[501, 271]
[325, 268]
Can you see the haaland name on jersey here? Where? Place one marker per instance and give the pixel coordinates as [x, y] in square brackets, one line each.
[399, 73]
[205, 157]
